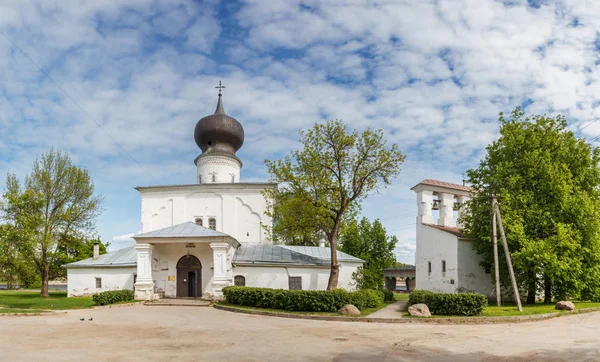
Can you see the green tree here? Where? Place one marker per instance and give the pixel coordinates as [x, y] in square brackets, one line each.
[74, 248]
[371, 243]
[546, 181]
[56, 202]
[332, 174]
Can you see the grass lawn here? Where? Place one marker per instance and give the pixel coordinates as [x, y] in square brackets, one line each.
[401, 296]
[528, 309]
[363, 313]
[32, 302]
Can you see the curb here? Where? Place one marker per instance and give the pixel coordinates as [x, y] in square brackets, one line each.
[98, 307]
[449, 320]
[176, 305]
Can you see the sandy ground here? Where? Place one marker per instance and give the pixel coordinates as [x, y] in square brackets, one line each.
[142, 333]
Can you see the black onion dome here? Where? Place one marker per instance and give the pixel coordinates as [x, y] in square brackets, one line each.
[219, 132]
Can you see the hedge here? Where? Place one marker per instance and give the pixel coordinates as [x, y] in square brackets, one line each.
[112, 297]
[465, 304]
[302, 300]
[388, 295]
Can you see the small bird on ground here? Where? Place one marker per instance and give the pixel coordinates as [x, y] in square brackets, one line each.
[82, 319]
[91, 319]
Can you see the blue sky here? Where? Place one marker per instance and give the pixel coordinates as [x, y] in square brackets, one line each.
[432, 74]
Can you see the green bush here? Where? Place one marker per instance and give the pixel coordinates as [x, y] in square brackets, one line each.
[112, 297]
[302, 300]
[465, 304]
[388, 295]
[419, 296]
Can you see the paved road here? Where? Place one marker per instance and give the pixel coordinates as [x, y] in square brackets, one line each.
[142, 333]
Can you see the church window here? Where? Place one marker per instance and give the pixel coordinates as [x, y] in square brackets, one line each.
[295, 283]
[199, 179]
[212, 223]
[98, 283]
[198, 221]
[232, 178]
[443, 266]
[214, 177]
[429, 267]
[239, 281]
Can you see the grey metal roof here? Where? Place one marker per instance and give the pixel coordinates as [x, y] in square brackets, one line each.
[230, 185]
[118, 258]
[185, 230]
[287, 255]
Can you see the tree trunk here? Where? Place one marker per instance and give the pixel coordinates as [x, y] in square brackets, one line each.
[547, 290]
[531, 290]
[335, 267]
[45, 275]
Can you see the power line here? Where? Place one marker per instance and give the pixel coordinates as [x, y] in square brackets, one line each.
[80, 107]
[589, 124]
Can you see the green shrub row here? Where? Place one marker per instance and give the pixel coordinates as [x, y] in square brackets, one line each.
[112, 297]
[302, 300]
[388, 295]
[466, 304]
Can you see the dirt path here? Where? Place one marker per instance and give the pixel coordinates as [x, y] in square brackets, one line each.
[141, 333]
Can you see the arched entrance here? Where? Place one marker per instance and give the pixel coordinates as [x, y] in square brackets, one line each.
[189, 277]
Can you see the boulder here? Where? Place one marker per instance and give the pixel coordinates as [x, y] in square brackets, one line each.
[349, 309]
[419, 310]
[563, 305]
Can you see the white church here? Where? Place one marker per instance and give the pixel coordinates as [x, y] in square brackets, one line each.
[444, 259]
[197, 239]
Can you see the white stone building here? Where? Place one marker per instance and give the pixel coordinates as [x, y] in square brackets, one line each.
[198, 238]
[444, 259]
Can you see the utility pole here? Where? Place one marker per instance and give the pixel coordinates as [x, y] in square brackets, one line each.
[496, 266]
[507, 254]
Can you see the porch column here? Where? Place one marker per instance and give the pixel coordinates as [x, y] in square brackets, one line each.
[219, 267]
[144, 285]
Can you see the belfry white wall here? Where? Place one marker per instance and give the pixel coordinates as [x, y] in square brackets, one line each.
[471, 276]
[313, 278]
[435, 246]
[82, 281]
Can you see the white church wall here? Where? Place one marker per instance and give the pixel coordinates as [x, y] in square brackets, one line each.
[277, 277]
[436, 246]
[471, 276]
[239, 209]
[82, 281]
[164, 264]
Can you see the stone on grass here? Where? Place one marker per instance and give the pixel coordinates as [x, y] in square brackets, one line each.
[419, 310]
[563, 305]
[349, 309]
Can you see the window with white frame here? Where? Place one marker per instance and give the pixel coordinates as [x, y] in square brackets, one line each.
[212, 223]
[295, 283]
[98, 283]
[239, 281]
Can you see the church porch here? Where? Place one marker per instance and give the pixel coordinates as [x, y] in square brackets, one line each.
[194, 264]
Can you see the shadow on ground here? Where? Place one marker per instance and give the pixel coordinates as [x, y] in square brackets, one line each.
[404, 353]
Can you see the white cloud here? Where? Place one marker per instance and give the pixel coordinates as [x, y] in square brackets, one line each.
[432, 74]
[121, 241]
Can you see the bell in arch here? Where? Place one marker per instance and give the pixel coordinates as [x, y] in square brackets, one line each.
[436, 205]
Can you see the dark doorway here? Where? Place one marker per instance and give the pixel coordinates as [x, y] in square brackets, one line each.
[189, 277]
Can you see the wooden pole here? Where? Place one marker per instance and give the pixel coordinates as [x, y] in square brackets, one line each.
[496, 266]
[507, 254]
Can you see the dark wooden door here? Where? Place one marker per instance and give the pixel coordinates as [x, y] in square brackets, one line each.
[189, 277]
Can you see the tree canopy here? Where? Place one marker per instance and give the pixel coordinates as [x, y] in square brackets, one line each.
[328, 178]
[546, 181]
[55, 206]
[369, 242]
